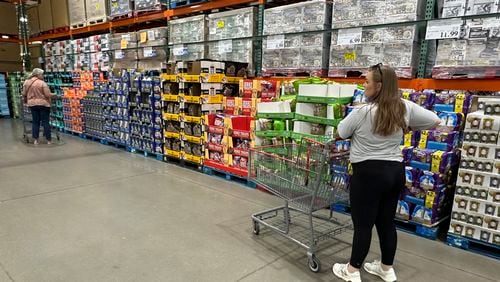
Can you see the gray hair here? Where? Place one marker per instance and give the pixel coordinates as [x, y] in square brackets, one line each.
[37, 72]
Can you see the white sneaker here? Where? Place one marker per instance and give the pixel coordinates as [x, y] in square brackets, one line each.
[340, 270]
[375, 268]
[35, 142]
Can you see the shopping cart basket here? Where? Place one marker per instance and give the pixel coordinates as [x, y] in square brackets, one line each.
[309, 177]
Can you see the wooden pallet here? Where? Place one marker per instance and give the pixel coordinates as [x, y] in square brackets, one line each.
[473, 245]
[228, 176]
[114, 144]
[146, 12]
[96, 21]
[78, 25]
[121, 17]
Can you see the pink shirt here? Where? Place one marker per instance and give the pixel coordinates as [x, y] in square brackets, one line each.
[37, 91]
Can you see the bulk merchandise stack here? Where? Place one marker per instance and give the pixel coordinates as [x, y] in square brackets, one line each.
[145, 109]
[115, 101]
[472, 52]
[72, 106]
[93, 108]
[4, 102]
[57, 81]
[15, 82]
[120, 8]
[186, 37]
[432, 160]
[476, 208]
[152, 52]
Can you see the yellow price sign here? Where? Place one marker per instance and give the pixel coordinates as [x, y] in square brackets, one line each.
[429, 199]
[124, 44]
[424, 135]
[459, 103]
[350, 56]
[221, 24]
[115, 5]
[144, 37]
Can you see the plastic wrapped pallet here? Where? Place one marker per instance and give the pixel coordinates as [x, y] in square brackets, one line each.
[123, 41]
[234, 50]
[395, 45]
[100, 42]
[77, 13]
[100, 61]
[96, 11]
[187, 30]
[305, 16]
[152, 37]
[188, 52]
[152, 58]
[149, 5]
[118, 8]
[124, 59]
[232, 24]
[296, 53]
[475, 55]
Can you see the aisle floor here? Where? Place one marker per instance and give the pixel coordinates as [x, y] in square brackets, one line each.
[83, 211]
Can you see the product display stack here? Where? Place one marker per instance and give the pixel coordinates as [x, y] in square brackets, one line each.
[432, 159]
[223, 28]
[93, 110]
[124, 50]
[173, 109]
[145, 108]
[115, 102]
[476, 208]
[4, 102]
[186, 37]
[142, 6]
[284, 51]
[83, 81]
[151, 51]
[120, 9]
[472, 50]
[15, 82]
[56, 82]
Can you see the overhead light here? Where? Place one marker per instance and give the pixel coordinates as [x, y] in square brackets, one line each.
[195, 6]
[35, 42]
[5, 36]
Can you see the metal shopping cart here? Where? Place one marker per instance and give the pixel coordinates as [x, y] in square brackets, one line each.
[309, 177]
[27, 121]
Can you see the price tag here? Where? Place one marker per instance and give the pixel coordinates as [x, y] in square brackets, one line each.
[119, 54]
[369, 50]
[350, 56]
[124, 44]
[151, 35]
[225, 46]
[350, 36]
[144, 37]
[442, 29]
[221, 24]
[180, 51]
[212, 30]
[276, 42]
[148, 52]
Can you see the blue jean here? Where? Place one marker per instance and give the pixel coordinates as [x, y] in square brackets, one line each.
[41, 115]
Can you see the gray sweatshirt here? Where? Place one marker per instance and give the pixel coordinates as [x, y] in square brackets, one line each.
[365, 145]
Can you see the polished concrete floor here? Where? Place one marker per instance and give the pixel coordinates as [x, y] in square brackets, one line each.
[83, 211]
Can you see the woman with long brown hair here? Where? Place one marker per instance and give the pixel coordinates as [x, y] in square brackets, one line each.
[376, 130]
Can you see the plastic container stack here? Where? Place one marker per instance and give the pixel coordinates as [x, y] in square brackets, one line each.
[4, 102]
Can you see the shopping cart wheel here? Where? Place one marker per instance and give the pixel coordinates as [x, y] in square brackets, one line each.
[314, 264]
[256, 228]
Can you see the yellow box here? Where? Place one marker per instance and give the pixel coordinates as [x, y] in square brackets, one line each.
[192, 99]
[192, 159]
[191, 119]
[188, 78]
[174, 154]
[212, 78]
[174, 135]
[174, 117]
[170, 98]
[213, 99]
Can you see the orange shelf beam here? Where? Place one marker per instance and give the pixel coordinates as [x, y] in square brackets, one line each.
[10, 40]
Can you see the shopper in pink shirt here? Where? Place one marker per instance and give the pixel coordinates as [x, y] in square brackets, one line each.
[37, 96]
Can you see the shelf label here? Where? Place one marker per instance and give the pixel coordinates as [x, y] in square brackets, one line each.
[350, 36]
[276, 42]
[119, 54]
[225, 46]
[180, 51]
[442, 29]
[221, 24]
[124, 44]
[350, 56]
[148, 52]
[151, 35]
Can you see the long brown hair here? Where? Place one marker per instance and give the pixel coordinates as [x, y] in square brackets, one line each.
[391, 110]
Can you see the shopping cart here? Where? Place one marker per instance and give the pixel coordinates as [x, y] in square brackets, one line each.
[309, 177]
[27, 121]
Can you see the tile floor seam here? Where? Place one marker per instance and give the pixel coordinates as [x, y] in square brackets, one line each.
[6, 272]
[75, 187]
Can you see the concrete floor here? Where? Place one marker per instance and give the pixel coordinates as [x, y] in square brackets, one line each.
[88, 212]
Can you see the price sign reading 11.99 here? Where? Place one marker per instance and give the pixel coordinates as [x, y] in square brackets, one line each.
[442, 29]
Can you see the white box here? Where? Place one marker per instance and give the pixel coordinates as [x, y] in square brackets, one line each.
[274, 107]
[305, 109]
[302, 127]
[347, 90]
[313, 90]
[333, 90]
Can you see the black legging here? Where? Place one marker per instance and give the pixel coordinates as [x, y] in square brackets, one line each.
[374, 193]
